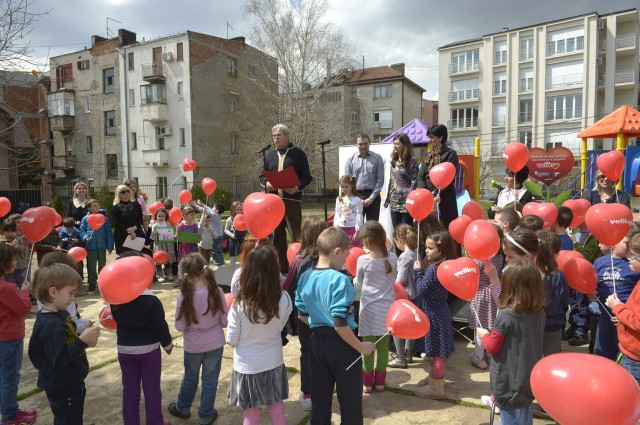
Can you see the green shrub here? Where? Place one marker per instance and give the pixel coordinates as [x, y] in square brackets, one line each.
[56, 203]
[105, 197]
[222, 195]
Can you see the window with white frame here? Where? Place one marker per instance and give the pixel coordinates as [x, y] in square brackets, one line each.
[89, 144]
[87, 104]
[231, 67]
[464, 118]
[464, 90]
[153, 93]
[110, 123]
[526, 80]
[160, 138]
[464, 145]
[526, 48]
[526, 137]
[499, 83]
[180, 90]
[130, 61]
[380, 92]
[564, 74]
[384, 118]
[108, 77]
[161, 187]
[499, 113]
[567, 137]
[564, 107]
[59, 104]
[500, 52]
[525, 111]
[132, 97]
[566, 40]
[466, 61]
[498, 143]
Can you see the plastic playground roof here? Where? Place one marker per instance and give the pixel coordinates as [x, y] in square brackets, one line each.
[415, 129]
[625, 120]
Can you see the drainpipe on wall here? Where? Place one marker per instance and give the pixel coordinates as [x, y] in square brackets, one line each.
[126, 110]
[402, 112]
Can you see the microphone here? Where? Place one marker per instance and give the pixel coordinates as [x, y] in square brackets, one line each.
[263, 150]
[326, 142]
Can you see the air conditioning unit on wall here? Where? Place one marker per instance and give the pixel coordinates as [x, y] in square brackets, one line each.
[599, 61]
[167, 56]
[600, 25]
[165, 131]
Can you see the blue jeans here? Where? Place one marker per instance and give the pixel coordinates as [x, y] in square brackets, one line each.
[521, 416]
[95, 257]
[216, 251]
[67, 404]
[607, 337]
[631, 365]
[210, 362]
[10, 364]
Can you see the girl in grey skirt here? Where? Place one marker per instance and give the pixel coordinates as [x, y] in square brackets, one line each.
[257, 315]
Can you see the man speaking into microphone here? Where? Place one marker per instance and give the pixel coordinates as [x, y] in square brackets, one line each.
[286, 155]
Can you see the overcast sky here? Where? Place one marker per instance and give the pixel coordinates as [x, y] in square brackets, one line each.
[383, 31]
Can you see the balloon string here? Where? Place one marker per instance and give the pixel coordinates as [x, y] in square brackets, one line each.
[605, 309]
[613, 275]
[102, 312]
[515, 198]
[26, 276]
[418, 244]
[176, 179]
[477, 317]
[360, 357]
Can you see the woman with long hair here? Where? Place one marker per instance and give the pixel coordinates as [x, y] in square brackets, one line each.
[403, 176]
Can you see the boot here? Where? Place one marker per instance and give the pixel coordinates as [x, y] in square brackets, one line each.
[408, 356]
[398, 362]
[367, 381]
[434, 389]
[380, 378]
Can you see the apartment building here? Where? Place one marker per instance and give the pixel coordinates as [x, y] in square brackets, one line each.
[182, 97]
[540, 84]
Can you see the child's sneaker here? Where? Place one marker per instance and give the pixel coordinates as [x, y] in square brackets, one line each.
[488, 400]
[170, 278]
[15, 421]
[305, 401]
[21, 413]
[161, 279]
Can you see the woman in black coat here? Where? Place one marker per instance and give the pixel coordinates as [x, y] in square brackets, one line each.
[77, 207]
[439, 154]
[127, 218]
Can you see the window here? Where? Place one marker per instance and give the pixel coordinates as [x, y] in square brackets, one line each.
[564, 107]
[466, 61]
[380, 92]
[464, 90]
[567, 137]
[60, 104]
[500, 52]
[354, 116]
[82, 65]
[330, 97]
[499, 113]
[153, 93]
[383, 118]
[567, 40]
[160, 138]
[112, 166]
[130, 62]
[231, 67]
[179, 52]
[87, 104]
[183, 138]
[235, 148]
[526, 48]
[526, 80]
[251, 71]
[526, 137]
[89, 144]
[180, 90]
[110, 123]
[464, 118]
[564, 74]
[108, 78]
[161, 187]
[498, 143]
[526, 111]
[500, 83]
[132, 97]
[134, 141]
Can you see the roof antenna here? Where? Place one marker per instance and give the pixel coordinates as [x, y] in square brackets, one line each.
[363, 62]
[110, 19]
[228, 26]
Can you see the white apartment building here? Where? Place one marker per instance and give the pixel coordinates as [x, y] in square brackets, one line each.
[540, 84]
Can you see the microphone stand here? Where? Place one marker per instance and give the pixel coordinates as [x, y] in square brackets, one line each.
[324, 175]
[263, 151]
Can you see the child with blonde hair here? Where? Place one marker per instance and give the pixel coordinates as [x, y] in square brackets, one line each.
[349, 208]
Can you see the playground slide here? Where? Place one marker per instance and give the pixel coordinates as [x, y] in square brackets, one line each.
[462, 198]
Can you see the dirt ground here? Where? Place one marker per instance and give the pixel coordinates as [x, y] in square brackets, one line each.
[398, 404]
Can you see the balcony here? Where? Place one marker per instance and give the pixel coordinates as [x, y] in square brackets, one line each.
[63, 123]
[564, 81]
[464, 95]
[154, 73]
[526, 85]
[64, 163]
[65, 84]
[154, 112]
[462, 124]
[499, 120]
[464, 67]
[500, 58]
[624, 76]
[626, 41]
[525, 117]
[385, 124]
[526, 54]
[156, 157]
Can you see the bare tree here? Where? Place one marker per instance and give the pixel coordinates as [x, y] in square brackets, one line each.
[313, 58]
[16, 23]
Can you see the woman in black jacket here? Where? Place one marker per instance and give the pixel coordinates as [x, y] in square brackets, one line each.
[77, 207]
[127, 218]
[440, 153]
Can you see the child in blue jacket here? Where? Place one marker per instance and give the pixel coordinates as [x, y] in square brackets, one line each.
[97, 242]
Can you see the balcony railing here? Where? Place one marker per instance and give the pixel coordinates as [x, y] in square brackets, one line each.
[153, 72]
[154, 112]
[458, 96]
[526, 85]
[526, 54]
[500, 57]
[499, 119]
[156, 157]
[624, 76]
[525, 117]
[463, 123]
[66, 162]
[385, 124]
[626, 41]
[570, 80]
[63, 123]
[65, 84]
[468, 66]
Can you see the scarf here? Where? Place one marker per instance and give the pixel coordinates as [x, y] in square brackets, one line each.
[432, 159]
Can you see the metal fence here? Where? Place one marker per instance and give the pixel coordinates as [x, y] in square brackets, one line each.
[22, 199]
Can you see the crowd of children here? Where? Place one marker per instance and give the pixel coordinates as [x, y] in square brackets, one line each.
[519, 313]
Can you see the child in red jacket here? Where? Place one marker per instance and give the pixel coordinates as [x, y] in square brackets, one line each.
[628, 315]
[15, 305]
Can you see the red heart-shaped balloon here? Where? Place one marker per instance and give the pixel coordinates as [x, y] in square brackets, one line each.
[579, 209]
[481, 240]
[106, 318]
[547, 211]
[293, 250]
[458, 226]
[123, 280]
[609, 223]
[611, 164]
[78, 253]
[460, 277]
[36, 223]
[351, 264]
[262, 212]
[185, 196]
[419, 203]
[209, 186]
[474, 210]
[189, 164]
[515, 156]
[239, 222]
[442, 175]
[96, 221]
[5, 206]
[406, 321]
